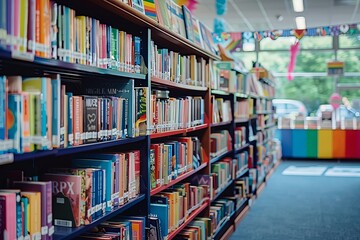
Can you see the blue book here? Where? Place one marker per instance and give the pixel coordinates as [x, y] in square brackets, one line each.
[93, 41]
[66, 30]
[25, 206]
[115, 158]
[14, 124]
[3, 104]
[56, 86]
[104, 165]
[137, 57]
[10, 12]
[95, 195]
[161, 211]
[70, 119]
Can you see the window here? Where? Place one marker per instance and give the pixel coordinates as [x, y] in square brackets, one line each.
[351, 59]
[247, 57]
[319, 42]
[349, 41]
[282, 43]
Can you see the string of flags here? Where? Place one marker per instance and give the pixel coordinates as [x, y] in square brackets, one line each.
[235, 38]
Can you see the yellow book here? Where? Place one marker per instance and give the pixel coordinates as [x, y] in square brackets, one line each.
[34, 213]
[122, 50]
[23, 24]
[176, 209]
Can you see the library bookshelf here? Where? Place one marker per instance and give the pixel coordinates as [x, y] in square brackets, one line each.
[93, 79]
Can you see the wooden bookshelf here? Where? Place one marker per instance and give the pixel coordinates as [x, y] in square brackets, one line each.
[193, 215]
[159, 32]
[158, 82]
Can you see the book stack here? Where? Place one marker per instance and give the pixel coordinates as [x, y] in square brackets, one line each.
[222, 172]
[50, 30]
[198, 227]
[26, 210]
[221, 110]
[230, 79]
[119, 228]
[93, 185]
[172, 159]
[172, 66]
[240, 137]
[169, 113]
[220, 143]
[242, 188]
[242, 160]
[220, 210]
[43, 115]
[174, 205]
[263, 105]
[242, 110]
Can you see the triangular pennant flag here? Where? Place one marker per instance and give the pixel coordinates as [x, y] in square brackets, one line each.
[299, 33]
[311, 32]
[344, 28]
[258, 36]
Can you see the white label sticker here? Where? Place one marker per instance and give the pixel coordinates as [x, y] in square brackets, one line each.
[44, 230]
[50, 217]
[51, 230]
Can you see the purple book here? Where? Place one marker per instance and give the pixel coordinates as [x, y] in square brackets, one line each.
[31, 25]
[46, 203]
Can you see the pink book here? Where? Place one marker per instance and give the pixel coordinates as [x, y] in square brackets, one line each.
[8, 215]
[67, 191]
[16, 22]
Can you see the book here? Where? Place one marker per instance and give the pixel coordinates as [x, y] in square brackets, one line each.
[33, 211]
[177, 19]
[14, 122]
[138, 5]
[8, 213]
[155, 229]
[163, 13]
[66, 199]
[141, 107]
[161, 211]
[189, 27]
[19, 220]
[150, 9]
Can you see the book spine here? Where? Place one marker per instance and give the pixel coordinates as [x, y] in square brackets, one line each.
[70, 120]
[14, 128]
[3, 20]
[3, 106]
[56, 112]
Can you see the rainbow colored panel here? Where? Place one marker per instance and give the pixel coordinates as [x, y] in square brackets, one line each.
[325, 143]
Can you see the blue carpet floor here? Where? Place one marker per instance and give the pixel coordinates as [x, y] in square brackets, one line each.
[304, 207]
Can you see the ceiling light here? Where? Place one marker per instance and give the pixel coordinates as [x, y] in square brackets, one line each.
[298, 5]
[300, 23]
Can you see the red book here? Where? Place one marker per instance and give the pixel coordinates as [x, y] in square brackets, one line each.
[8, 215]
[137, 171]
[158, 156]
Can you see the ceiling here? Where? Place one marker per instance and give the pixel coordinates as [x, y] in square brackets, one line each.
[256, 15]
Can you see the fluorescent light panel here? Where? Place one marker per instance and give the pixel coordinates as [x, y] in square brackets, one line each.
[300, 23]
[298, 5]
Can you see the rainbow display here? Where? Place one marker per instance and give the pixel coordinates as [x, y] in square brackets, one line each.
[321, 144]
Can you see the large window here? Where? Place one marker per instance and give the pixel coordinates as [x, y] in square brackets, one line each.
[349, 41]
[282, 43]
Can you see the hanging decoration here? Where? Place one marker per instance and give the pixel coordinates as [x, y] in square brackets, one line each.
[190, 4]
[294, 51]
[299, 33]
[219, 23]
[349, 29]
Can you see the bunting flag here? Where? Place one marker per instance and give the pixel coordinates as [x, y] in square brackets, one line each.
[190, 4]
[349, 29]
[299, 33]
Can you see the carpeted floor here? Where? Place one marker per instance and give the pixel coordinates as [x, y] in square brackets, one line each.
[304, 207]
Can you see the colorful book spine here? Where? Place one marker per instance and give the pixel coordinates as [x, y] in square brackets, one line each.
[25, 123]
[56, 111]
[14, 122]
[3, 108]
[8, 213]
